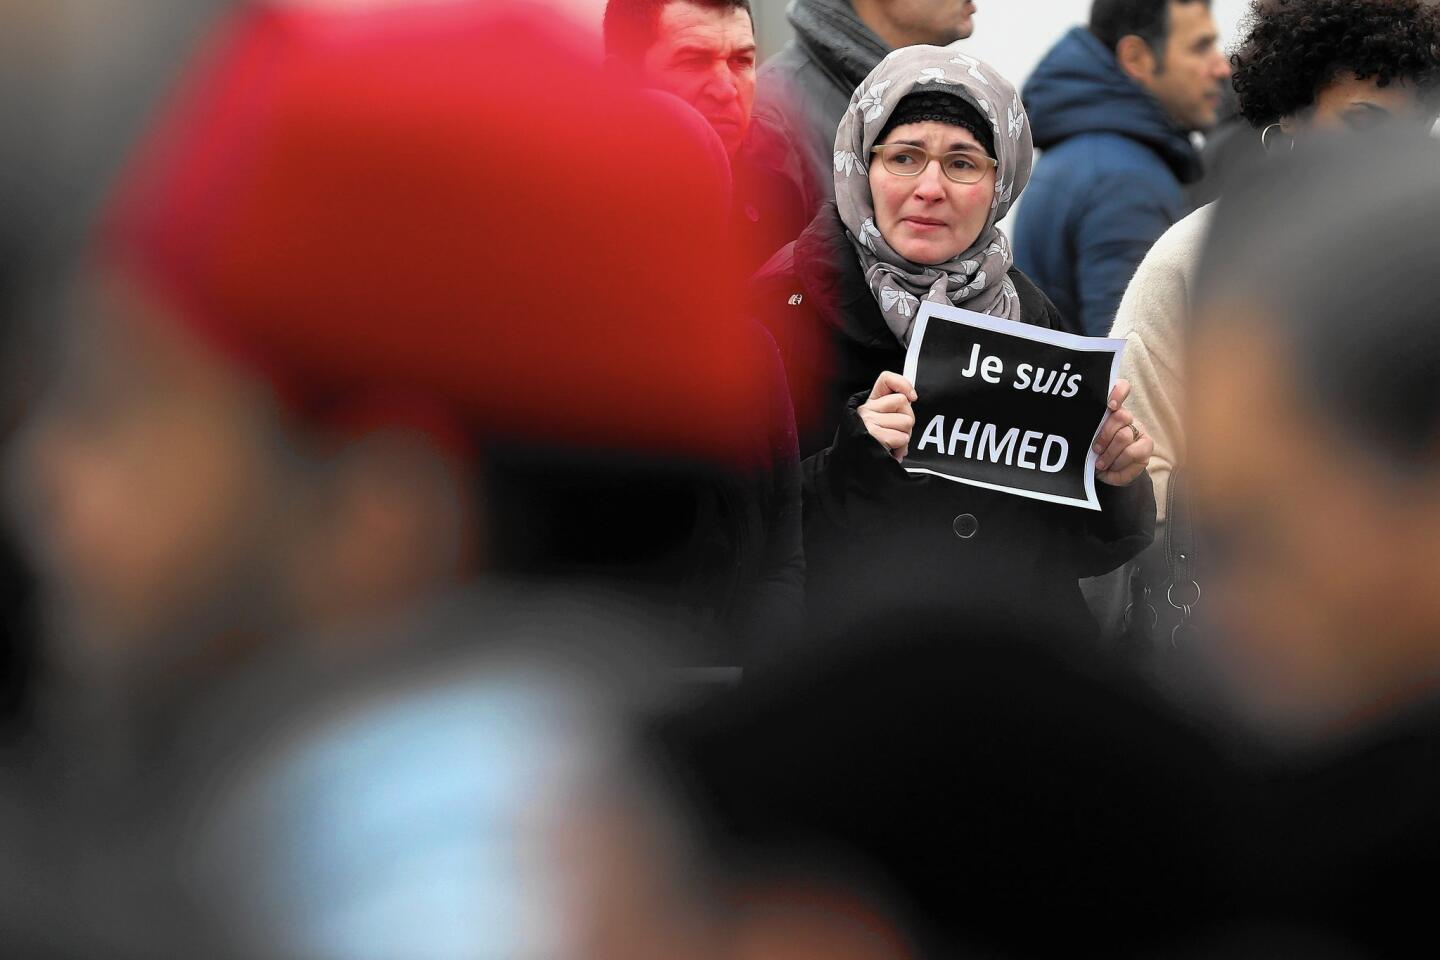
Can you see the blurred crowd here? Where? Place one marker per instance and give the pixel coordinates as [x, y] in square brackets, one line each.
[455, 494]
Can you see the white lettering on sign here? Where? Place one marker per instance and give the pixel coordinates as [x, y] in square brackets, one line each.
[990, 367]
[1027, 376]
[1053, 382]
[974, 440]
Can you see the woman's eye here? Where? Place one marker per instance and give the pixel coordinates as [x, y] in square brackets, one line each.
[903, 159]
[962, 163]
[1363, 120]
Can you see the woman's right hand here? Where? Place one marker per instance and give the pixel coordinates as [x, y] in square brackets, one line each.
[888, 415]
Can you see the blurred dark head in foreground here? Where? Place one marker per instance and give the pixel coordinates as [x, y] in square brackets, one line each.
[356, 247]
[1317, 328]
[958, 790]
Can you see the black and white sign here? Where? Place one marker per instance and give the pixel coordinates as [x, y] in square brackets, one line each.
[1008, 406]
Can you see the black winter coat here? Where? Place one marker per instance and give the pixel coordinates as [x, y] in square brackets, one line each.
[878, 538]
[720, 543]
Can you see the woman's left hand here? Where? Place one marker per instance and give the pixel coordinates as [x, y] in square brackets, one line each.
[1123, 449]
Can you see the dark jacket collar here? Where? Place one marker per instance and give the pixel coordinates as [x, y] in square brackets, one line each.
[836, 40]
[1079, 88]
[829, 272]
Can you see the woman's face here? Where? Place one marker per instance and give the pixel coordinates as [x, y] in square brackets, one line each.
[930, 218]
[1348, 105]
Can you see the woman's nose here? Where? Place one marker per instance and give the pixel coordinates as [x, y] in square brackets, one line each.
[929, 183]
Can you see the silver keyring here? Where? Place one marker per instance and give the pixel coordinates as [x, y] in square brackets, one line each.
[1170, 591]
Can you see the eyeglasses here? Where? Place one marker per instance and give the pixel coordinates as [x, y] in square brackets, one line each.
[961, 166]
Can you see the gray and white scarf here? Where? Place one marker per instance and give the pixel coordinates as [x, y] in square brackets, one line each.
[976, 278]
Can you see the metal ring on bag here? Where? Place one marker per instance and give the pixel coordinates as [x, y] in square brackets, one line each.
[1182, 634]
[1130, 613]
[1169, 596]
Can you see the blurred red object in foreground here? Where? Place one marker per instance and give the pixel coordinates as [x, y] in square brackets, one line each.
[448, 206]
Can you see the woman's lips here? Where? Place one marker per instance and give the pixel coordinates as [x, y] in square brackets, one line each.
[923, 223]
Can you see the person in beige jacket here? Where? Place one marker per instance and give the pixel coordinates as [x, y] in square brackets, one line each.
[1152, 318]
[1305, 69]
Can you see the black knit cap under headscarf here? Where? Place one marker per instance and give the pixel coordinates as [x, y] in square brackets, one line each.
[941, 107]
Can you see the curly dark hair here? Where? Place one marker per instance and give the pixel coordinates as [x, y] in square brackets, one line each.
[1294, 48]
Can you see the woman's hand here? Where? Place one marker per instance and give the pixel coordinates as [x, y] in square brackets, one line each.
[1123, 450]
[887, 414]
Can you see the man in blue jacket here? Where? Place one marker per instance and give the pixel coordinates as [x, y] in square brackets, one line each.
[1112, 107]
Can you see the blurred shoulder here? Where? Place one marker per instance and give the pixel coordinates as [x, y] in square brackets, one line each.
[792, 85]
[791, 61]
[1180, 247]
[1157, 299]
[1174, 258]
[1102, 167]
[1035, 307]
[1115, 152]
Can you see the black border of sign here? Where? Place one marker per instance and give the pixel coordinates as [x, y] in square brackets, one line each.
[1028, 331]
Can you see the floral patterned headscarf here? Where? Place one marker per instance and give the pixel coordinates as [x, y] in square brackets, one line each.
[976, 278]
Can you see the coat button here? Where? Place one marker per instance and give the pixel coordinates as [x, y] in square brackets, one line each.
[966, 525]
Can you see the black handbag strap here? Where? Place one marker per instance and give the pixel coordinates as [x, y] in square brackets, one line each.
[1182, 591]
[1164, 585]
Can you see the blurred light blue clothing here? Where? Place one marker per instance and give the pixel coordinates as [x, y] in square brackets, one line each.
[416, 823]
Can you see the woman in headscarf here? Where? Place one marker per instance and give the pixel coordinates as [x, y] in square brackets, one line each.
[931, 154]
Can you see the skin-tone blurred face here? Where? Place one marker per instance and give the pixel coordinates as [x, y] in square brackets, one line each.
[147, 468]
[706, 57]
[804, 921]
[903, 23]
[176, 517]
[929, 218]
[1324, 557]
[1351, 105]
[1187, 79]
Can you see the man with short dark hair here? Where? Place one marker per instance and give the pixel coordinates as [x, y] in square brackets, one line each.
[703, 51]
[1113, 106]
[805, 88]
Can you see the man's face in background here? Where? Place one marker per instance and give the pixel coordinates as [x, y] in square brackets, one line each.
[706, 57]
[902, 23]
[1187, 80]
[942, 21]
